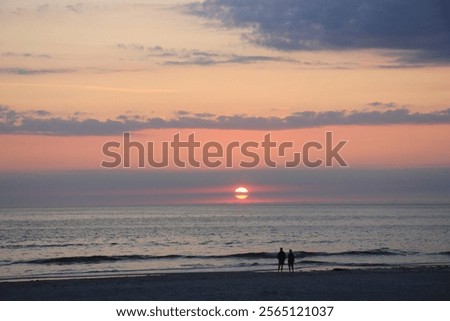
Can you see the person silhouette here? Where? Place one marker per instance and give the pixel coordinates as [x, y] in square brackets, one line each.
[281, 258]
[291, 259]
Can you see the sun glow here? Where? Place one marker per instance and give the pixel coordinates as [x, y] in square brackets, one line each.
[241, 193]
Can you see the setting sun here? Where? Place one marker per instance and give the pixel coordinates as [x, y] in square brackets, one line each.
[241, 193]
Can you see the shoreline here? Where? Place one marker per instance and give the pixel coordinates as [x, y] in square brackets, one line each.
[398, 284]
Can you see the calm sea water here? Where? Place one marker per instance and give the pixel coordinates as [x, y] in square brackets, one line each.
[68, 242]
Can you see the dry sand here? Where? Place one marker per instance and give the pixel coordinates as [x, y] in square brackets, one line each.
[387, 284]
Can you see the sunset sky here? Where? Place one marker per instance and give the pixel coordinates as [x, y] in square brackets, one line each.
[76, 75]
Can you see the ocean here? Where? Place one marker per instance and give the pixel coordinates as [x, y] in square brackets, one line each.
[98, 242]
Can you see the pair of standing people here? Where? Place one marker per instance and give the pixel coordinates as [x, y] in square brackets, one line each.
[282, 258]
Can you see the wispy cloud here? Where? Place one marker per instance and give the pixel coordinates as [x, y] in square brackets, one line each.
[30, 71]
[25, 7]
[10, 54]
[170, 56]
[77, 8]
[378, 104]
[45, 123]
[421, 28]
[96, 88]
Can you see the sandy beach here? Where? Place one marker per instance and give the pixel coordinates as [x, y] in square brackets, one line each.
[386, 284]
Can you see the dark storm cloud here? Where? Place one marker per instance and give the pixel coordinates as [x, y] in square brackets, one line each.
[45, 123]
[419, 26]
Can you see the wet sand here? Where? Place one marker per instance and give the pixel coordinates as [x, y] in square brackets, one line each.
[380, 285]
